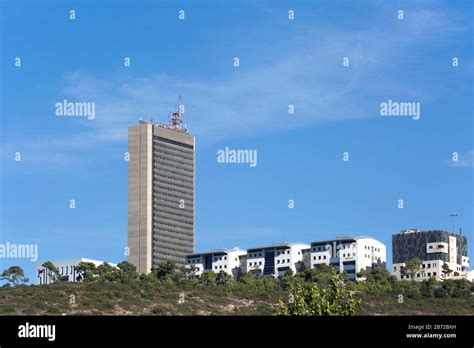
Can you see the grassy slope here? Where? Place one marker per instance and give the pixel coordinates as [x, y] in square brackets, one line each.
[162, 299]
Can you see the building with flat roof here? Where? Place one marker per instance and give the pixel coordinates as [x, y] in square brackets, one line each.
[230, 261]
[434, 249]
[276, 259]
[161, 193]
[67, 270]
[349, 254]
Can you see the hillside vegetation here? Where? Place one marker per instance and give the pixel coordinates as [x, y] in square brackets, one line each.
[172, 291]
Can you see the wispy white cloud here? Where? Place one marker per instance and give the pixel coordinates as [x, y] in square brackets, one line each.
[248, 100]
[253, 100]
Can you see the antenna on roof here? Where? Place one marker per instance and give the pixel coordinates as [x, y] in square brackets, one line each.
[176, 117]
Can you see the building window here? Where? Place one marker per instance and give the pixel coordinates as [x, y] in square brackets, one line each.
[250, 263]
[394, 268]
[288, 260]
[434, 274]
[278, 261]
[314, 257]
[260, 263]
[429, 274]
[225, 266]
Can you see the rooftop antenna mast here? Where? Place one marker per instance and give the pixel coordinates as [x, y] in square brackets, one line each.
[176, 117]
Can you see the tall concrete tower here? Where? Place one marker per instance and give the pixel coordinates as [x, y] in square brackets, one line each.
[161, 196]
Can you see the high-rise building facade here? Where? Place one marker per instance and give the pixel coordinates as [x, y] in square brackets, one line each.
[161, 195]
[434, 249]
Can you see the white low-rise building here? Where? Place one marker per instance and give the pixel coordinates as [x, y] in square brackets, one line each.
[67, 270]
[349, 254]
[229, 261]
[277, 259]
[430, 268]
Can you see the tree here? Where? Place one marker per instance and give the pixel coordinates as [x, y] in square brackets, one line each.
[222, 278]
[208, 278]
[446, 270]
[14, 275]
[164, 269]
[457, 288]
[127, 272]
[412, 267]
[311, 299]
[190, 272]
[127, 267]
[428, 287]
[106, 272]
[250, 281]
[55, 276]
[86, 271]
[440, 293]
[321, 274]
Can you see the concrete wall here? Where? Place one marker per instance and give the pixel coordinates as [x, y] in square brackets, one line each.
[140, 142]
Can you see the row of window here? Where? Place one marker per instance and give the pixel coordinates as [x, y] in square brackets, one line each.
[67, 268]
[423, 266]
[255, 255]
[255, 263]
[220, 267]
[283, 261]
[418, 275]
[320, 257]
[347, 246]
[64, 270]
[374, 249]
[215, 259]
[283, 252]
[440, 246]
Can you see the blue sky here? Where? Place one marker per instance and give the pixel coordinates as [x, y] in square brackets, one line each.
[282, 62]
